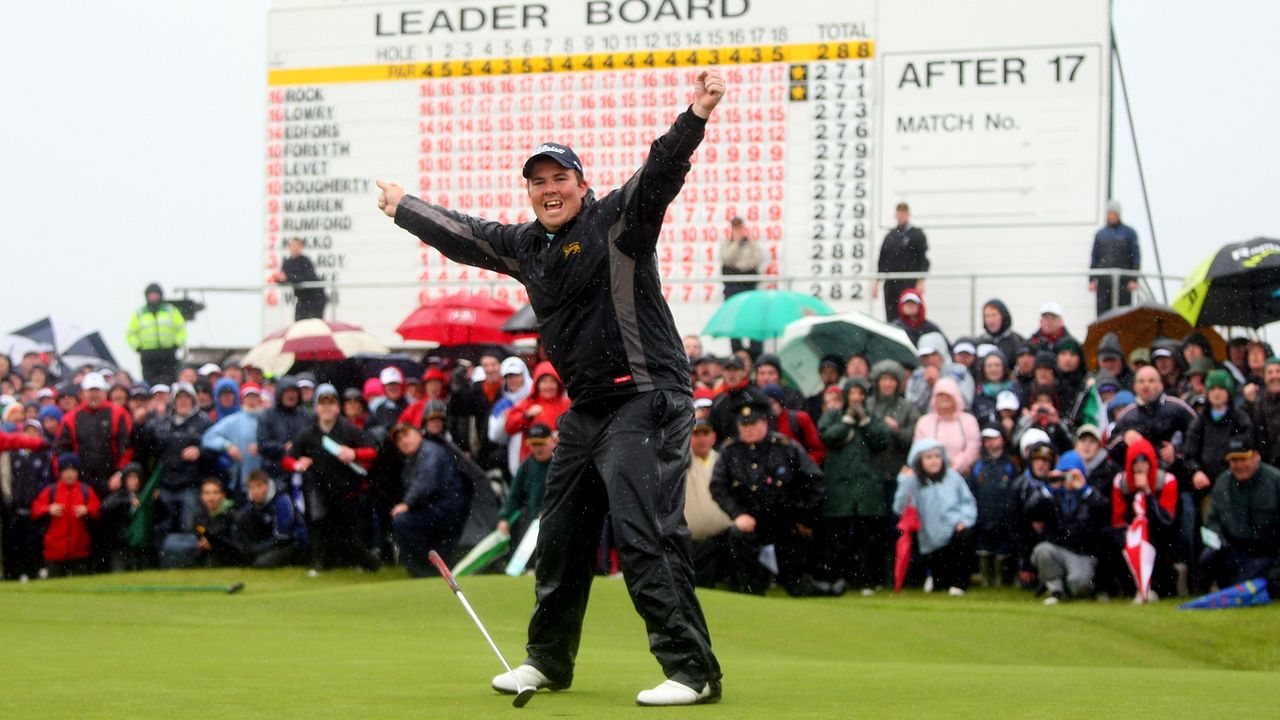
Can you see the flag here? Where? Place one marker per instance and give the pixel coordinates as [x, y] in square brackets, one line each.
[524, 551]
[1139, 553]
[490, 548]
[1249, 593]
[138, 533]
[1093, 410]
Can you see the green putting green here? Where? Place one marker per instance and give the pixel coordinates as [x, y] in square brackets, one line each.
[350, 645]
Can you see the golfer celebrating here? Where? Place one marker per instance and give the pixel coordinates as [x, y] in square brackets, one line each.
[593, 281]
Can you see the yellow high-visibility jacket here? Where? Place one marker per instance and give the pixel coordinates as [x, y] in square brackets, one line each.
[163, 329]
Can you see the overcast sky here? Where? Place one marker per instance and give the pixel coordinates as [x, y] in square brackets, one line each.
[133, 148]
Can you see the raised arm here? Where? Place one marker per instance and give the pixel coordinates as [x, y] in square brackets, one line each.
[461, 238]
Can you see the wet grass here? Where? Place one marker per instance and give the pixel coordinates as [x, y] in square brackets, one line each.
[348, 645]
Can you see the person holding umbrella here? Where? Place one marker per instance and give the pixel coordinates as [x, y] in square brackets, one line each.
[589, 267]
[1144, 504]
[947, 512]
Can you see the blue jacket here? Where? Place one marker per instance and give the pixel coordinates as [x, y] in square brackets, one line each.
[226, 411]
[239, 429]
[1116, 246]
[431, 481]
[942, 505]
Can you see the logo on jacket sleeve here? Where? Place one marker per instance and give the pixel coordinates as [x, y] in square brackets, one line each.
[623, 379]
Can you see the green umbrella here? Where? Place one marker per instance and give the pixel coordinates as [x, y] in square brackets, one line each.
[805, 342]
[762, 314]
[1237, 286]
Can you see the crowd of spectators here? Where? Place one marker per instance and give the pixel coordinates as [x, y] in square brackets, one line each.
[1025, 466]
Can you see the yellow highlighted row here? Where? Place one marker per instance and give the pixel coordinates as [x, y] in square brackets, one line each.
[661, 59]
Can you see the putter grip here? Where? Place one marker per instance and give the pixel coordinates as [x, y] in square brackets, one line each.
[438, 561]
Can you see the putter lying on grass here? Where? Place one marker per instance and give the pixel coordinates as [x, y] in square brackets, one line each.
[228, 589]
[523, 694]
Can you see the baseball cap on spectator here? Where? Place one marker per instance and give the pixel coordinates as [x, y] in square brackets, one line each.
[305, 383]
[562, 154]
[93, 381]
[771, 360]
[182, 387]
[1161, 352]
[964, 346]
[389, 375]
[1239, 447]
[138, 391]
[250, 389]
[159, 388]
[1088, 430]
[435, 410]
[702, 425]
[1024, 350]
[733, 362]
[1031, 438]
[1051, 308]
[752, 411]
[435, 373]
[208, 369]
[1122, 399]
[538, 434]
[33, 423]
[991, 431]
[1007, 400]
[706, 359]
[702, 402]
[986, 349]
[68, 460]
[325, 390]
[911, 296]
[1140, 356]
[774, 391]
[926, 350]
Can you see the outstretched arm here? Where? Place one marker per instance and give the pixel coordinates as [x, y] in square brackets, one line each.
[648, 193]
[461, 238]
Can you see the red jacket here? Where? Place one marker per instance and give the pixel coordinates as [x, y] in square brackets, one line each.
[518, 419]
[1164, 487]
[18, 441]
[67, 537]
[797, 425]
[100, 437]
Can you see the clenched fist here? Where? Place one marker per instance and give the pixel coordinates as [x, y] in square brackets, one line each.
[389, 198]
[708, 89]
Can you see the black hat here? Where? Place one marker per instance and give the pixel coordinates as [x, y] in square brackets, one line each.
[771, 360]
[538, 434]
[1239, 447]
[1045, 359]
[1024, 350]
[562, 154]
[752, 411]
[831, 361]
[154, 288]
[708, 358]
[733, 362]
[352, 394]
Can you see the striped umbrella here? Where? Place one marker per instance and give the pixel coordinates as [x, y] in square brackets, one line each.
[313, 339]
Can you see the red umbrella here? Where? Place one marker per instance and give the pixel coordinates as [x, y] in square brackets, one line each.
[459, 319]
[312, 339]
[909, 525]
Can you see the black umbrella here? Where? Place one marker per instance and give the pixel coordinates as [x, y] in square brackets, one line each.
[524, 321]
[1236, 286]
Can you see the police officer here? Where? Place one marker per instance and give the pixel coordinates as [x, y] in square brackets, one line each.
[773, 491]
[590, 268]
[156, 332]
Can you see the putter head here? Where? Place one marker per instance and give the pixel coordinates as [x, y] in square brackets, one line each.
[235, 588]
[522, 698]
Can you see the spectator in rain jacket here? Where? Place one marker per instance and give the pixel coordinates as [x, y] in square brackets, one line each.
[934, 365]
[97, 431]
[517, 385]
[947, 513]
[70, 505]
[900, 416]
[997, 325]
[949, 424]
[545, 405]
[31, 465]
[992, 485]
[266, 529]
[235, 437]
[855, 512]
[1142, 475]
[1073, 515]
[176, 439]
[226, 399]
[911, 317]
[795, 424]
[278, 427]
[1205, 447]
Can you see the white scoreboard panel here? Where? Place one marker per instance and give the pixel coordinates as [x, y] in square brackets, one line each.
[989, 118]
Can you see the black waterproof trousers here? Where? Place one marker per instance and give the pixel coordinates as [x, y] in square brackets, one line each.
[627, 458]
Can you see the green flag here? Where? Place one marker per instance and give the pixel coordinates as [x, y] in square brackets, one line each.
[1093, 410]
[138, 534]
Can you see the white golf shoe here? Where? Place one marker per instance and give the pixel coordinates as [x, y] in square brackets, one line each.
[530, 677]
[675, 693]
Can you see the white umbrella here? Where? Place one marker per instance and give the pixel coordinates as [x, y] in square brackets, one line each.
[312, 339]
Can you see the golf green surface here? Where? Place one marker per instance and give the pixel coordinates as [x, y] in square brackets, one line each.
[349, 645]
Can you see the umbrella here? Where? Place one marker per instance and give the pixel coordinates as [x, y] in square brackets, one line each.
[806, 341]
[1139, 553]
[1250, 593]
[312, 339]
[522, 323]
[1235, 286]
[762, 314]
[1139, 325]
[908, 525]
[459, 319]
[74, 344]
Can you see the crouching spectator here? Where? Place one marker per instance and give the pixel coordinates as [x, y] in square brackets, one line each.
[1144, 489]
[1071, 515]
[215, 546]
[70, 505]
[266, 529]
[708, 523]
[119, 511]
[1242, 534]
[947, 514]
[773, 491]
[433, 509]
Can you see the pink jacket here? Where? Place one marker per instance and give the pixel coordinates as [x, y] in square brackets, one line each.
[959, 434]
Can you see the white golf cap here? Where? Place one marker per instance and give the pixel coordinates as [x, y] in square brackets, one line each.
[305, 383]
[702, 403]
[159, 388]
[477, 374]
[911, 296]
[1161, 352]
[926, 350]
[1051, 308]
[208, 369]
[1032, 437]
[985, 349]
[964, 347]
[93, 381]
[990, 432]
[43, 393]
[390, 375]
[1007, 400]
